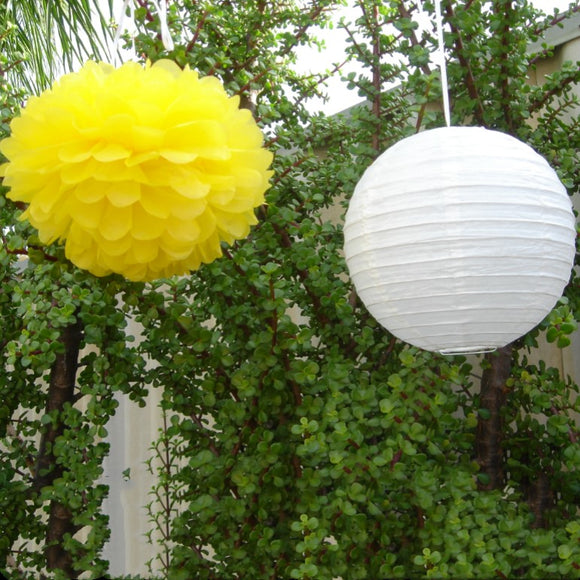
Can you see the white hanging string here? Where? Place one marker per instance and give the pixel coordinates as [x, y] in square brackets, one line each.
[120, 29]
[442, 62]
[165, 33]
[127, 5]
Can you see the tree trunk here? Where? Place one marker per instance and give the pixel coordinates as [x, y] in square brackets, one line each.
[540, 498]
[61, 390]
[488, 444]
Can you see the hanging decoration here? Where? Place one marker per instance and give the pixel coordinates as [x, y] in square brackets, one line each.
[459, 239]
[141, 171]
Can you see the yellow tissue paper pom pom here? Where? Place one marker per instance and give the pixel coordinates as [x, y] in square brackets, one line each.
[142, 171]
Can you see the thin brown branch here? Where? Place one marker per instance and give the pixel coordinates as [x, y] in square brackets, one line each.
[298, 34]
[470, 78]
[541, 101]
[504, 9]
[5, 69]
[405, 13]
[279, 176]
[211, 445]
[197, 32]
[561, 17]
[148, 15]
[376, 138]
[422, 110]
[359, 49]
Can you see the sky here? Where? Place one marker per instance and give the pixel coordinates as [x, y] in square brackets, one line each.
[340, 98]
[312, 60]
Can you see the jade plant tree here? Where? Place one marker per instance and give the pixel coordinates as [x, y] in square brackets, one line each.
[301, 439]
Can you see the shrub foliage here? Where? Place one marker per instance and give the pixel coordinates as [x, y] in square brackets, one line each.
[301, 439]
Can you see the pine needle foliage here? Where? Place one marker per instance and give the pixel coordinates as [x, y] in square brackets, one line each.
[45, 38]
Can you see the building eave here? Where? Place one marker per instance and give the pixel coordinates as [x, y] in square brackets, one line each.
[559, 34]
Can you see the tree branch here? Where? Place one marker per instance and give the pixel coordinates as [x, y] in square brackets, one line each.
[470, 80]
[504, 9]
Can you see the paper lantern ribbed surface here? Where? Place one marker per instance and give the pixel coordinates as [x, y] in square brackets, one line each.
[459, 239]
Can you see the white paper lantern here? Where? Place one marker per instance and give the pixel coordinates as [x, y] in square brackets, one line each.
[459, 239]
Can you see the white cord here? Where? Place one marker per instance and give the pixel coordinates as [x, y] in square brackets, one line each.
[161, 10]
[120, 29]
[442, 62]
[165, 34]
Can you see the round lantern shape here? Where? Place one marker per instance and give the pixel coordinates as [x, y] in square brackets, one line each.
[459, 239]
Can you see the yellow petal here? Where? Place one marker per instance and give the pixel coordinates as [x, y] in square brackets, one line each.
[244, 133]
[116, 222]
[75, 151]
[193, 190]
[155, 202]
[106, 152]
[222, 197]
[51, 195]
[208, 224]
[205, 138]
[186, 209]
[81, 249]
[114, 248]
[233, 226]
[248, 178]
[176, 249]
[134, 272]
[195, 230]
[116, 128]
[123, 193]
[88, 215]
[259, 159]
[50, 227]
[90, 191]
[191, 262]
[169, 66]
[193, 104]
[116, 171]
[210, 250]
[145, 225]
[138, 158]
[77, 172]
[177, 156]
[146, 138]
[144, 251]
[185, 231]
[113, 263]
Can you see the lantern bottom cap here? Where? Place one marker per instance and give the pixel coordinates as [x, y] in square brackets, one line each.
[467, 350]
